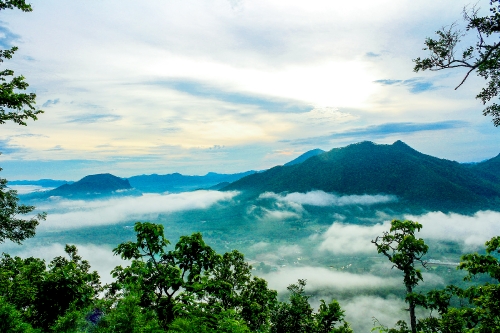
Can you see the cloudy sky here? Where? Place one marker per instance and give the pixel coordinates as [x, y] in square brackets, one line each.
[193, 86]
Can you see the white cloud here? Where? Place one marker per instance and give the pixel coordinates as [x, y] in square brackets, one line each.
[321, 198]
[312, 53]
[289, 250]
[25, 189]
[116, 210]
[472, 231]
[101, 258]
[351, 238]
[321, 278]
[259, 246]
[362, 310]
[469, 231]
[278, 214]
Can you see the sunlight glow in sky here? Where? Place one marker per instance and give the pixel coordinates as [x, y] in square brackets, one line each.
[227, 86]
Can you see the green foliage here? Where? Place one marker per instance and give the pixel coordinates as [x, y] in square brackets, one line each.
[296, 315]
[479, 309]
[226, 321]
[14, 105]
[482, 58]
[475, 308]
[414, 178]
[129, 317]
[105, 316]
[17, 107]
[11, 319]
[41, 293]
[11, 227]
[19, 4]
[190, 279]
[403, 249]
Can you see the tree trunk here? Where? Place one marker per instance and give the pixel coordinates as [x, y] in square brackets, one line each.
[411, 308]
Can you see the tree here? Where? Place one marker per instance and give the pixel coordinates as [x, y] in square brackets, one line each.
[191, 283]
[14, 105]
[18, 107]
[482, 58]
[19, 4]
[404, 250]
[297, 314]
[11, 319]
[41, 294]
[11, 227]
[476, 308]
[160, 275]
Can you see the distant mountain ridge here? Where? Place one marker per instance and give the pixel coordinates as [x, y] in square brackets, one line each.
[368, 168]
[41, 182]
[364, 168]
[176, 182]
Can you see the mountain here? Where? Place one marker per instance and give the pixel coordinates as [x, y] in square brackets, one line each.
[305, 156]
[176, 182]
[489, 169]
[90, 186]
[397, 169]
[41, 182]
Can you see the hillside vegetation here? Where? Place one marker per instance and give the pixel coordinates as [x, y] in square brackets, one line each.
[397, 169]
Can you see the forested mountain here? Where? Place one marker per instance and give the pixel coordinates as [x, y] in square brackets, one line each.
[305, 156]
[489, 169]
[397, 169]
[89, 186]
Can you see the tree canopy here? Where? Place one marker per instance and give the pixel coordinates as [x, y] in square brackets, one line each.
[482, 58]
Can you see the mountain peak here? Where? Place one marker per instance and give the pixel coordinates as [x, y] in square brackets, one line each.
[92, 184]
[395, 169]
[305, 156]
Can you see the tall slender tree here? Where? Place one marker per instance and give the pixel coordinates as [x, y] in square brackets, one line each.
[404, 250]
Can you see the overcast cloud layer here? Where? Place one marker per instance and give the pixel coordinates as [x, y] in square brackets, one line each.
[228, 86]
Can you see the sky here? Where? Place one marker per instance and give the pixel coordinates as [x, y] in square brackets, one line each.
[228, 86]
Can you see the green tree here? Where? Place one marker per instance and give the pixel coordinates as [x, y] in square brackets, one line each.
[482, 58]
[231, 287]
[16, 106]
[11, 319]
[160, 275]
[42, 294]
[191, 282]
[297, 315]
[476, 308]
[404, 250]
[12, 227]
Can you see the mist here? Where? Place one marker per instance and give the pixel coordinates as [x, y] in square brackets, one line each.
[321, 278]
[471, 231]
[79, 213]
[323, 199]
